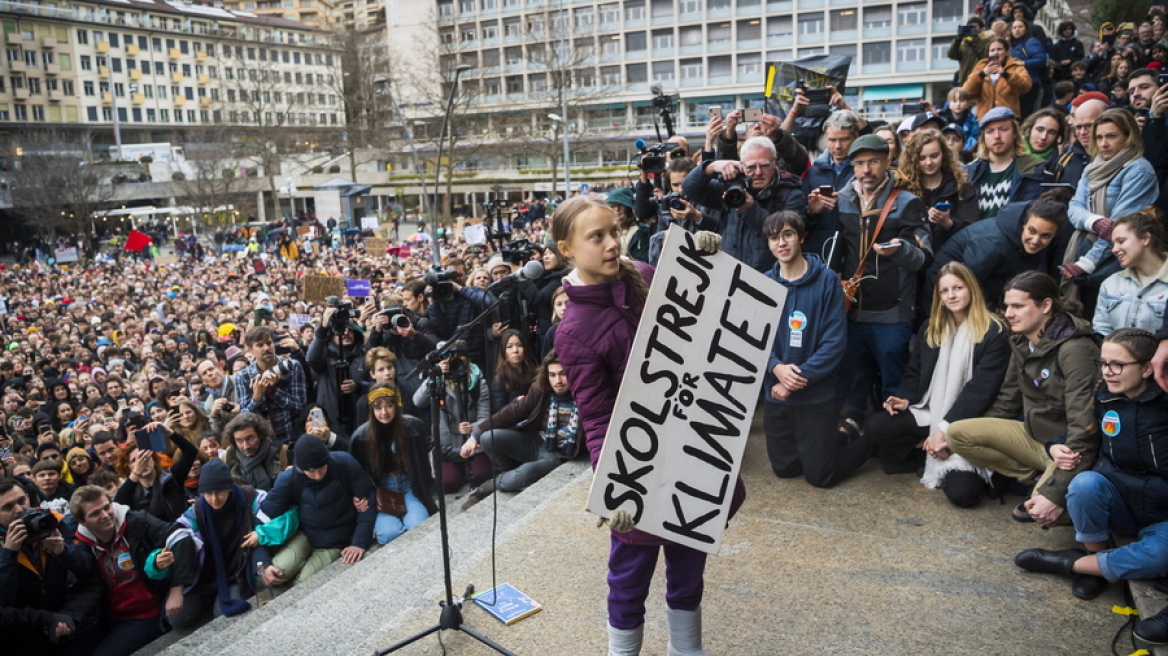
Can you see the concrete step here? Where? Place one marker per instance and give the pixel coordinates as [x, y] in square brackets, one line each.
[1149, 601]
[366, 602]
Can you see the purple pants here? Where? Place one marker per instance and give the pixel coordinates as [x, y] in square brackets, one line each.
[630, 571]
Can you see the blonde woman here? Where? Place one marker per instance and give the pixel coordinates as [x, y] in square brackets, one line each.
[956, 366]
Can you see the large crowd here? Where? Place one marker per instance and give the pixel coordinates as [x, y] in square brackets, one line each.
[975, 295]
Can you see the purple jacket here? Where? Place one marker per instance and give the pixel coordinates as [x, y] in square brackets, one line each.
[593, 343]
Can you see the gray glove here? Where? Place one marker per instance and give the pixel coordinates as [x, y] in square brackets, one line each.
[708, 241]
[621, 521]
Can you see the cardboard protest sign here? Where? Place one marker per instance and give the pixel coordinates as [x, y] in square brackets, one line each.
[678, 431]
[317, 288]
[376, 246]
[358, 288]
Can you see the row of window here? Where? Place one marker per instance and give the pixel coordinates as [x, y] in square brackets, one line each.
[22, 112]
[608, 15]
[185, 25]
[551, 55]
[159, 45]
[34, 84]
[908, 51]
[807, 23]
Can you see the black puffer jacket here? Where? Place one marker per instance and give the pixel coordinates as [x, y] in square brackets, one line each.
[1135, 438]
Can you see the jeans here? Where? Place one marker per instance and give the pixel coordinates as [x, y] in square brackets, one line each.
[1097, 509]
[874, 349]
[630, 571]
[390, 526]
[519, 457]
[128, 636]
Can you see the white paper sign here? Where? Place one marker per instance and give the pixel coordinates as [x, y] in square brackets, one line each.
[369, 223]
[678, 431]
[298, 321]
[475, 234]
[65, 255]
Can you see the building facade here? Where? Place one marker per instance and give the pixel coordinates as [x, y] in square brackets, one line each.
[157, 67]
[707, 52]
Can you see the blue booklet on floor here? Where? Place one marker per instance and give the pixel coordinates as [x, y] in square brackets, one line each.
[509, 606]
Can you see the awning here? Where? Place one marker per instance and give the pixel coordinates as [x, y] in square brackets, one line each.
[356, 190]
[894, 92]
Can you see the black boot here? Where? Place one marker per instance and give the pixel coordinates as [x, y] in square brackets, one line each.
[1153, 630]
[1046, 561]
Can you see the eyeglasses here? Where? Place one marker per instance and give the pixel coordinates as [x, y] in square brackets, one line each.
[751, 168]
[1114, 367]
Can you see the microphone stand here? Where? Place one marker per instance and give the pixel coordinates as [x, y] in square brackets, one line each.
[451, 615]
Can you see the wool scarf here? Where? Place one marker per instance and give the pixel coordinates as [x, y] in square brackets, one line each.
[206, 515]
[1099, 174]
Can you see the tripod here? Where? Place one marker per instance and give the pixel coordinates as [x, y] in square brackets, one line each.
[451, 615]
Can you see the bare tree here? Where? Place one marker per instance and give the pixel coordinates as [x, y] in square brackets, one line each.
[212, 180]
[365, 60]
[266, 96]
[50, 184]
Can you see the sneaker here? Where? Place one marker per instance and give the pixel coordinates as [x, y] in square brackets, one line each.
[850, 428]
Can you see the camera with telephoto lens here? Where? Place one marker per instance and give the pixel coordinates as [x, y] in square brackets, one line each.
[39, 523]
[397, 318]
[283, 366]
[675, 200]
[339, 322]
[734, 191]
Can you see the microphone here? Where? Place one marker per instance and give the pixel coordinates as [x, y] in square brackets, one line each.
[639, 144]
[655, 89]
[530, 271]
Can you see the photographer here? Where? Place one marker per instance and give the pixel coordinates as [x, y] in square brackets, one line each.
[793, 156]
[830, 172]
[745, 193]
[673, 207]
[467, 401]
[222, 402]
[969, 47]
[812, 109]
[44, 612]
[271, 386]
[453, 304]
[335, 357]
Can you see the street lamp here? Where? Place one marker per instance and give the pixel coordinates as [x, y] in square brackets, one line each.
[458, 71]
[385, 83]
[289, 189]
[567, 170]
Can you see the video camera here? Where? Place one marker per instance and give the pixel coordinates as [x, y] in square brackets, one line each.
[339, 322]
[518, 251]
[441, 289]
[653, 158]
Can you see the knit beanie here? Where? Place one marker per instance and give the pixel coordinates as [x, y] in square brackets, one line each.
[215, 476]
[310, 453]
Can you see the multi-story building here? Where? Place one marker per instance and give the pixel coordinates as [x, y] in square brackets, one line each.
[318, 13]
[161, 66]
[709, 52]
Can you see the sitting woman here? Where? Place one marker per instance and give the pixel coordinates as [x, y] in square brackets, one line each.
[1135, 296]
[514, 371]
[957, 363]
[1126, 493]
[392, 448]
[1117, 182]
[933, 173]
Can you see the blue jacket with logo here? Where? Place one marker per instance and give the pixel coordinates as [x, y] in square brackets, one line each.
[815, 307]
[1134, 439]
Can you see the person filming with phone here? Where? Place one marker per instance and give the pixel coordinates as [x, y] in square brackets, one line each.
[999, 80]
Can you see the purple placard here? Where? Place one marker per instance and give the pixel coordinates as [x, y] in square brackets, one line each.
[357, 288]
